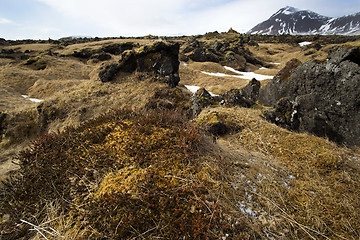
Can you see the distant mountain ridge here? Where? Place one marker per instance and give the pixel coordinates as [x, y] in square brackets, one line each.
[290, 20]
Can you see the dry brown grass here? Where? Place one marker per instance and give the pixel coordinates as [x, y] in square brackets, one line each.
[191, 75]
[39, 47]
[282, 53]
[21, 78]
[285, 185]
[300, 186]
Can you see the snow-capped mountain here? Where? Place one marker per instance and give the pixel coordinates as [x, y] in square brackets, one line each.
[290, 20]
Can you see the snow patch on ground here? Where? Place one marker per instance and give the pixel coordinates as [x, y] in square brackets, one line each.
[246, 75]
[32, 99]
[249, 75]
[302, 44]
[194, 89]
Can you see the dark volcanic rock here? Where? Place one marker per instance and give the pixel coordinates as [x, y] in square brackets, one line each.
[229, 52]
[202, 55]
[327, 95]
[235, 97]
[162, 59]
[252, 89]
[117, 49]
[109, 72]
[83, 53]
[128, 62]
[216, 128]
[159, 59]
[201, 99]
[271, 94]
[285, 114]
[215, 125]
[101, 56]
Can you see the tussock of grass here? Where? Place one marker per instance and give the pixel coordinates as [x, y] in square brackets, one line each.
[123, 175]
[304, 187]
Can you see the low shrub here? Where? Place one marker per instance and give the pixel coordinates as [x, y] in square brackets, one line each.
[123, 175]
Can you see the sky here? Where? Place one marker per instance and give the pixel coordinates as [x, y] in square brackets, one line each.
[44, 19]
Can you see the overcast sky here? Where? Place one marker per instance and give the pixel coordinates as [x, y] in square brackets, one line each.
[43, 19]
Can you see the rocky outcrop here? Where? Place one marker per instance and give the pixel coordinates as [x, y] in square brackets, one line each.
[101, 57]
[252, 90]
[234, 97]
[102, 54]
[83, 53]
[231, 53]
[326, 94]
[117, 49]
[285, 114]
[159, 61]
[271, 94]
[201, 99]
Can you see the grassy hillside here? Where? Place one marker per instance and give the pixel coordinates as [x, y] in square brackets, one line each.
[126, 159]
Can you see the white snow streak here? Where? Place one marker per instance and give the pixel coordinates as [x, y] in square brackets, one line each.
[302, 44]
[32, 99]
[194, 89]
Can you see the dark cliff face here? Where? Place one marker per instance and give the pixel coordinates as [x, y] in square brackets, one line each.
[290, 20]
[326, 95]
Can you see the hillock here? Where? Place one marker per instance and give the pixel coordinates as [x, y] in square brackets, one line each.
[123, 175]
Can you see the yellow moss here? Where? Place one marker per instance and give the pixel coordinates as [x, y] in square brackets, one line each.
[125, 180]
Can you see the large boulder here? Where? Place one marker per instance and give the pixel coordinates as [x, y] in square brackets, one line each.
[159, 60]
[252, 89]
[327, 95]
[271, 93]
[236, 97]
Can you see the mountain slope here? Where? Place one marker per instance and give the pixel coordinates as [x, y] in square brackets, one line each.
[289, 20]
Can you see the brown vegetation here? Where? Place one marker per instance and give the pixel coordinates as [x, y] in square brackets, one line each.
[100, 172]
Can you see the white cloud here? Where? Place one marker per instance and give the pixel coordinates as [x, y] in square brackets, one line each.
[5, 21]
[165, 17]
[161, 17]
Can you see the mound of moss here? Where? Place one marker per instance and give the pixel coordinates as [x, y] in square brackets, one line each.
[123, 175]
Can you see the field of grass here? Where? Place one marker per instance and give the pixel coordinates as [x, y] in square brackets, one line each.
[127, 160]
